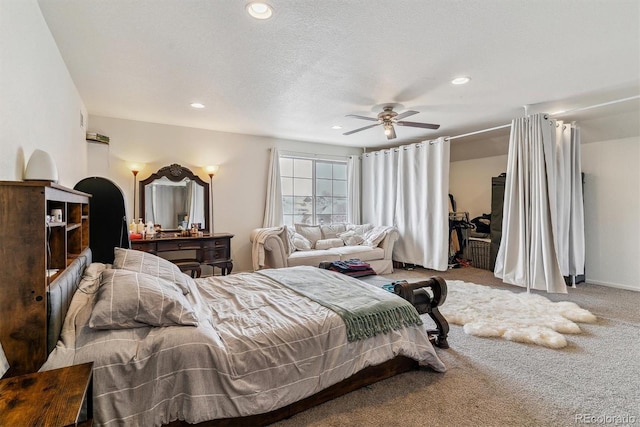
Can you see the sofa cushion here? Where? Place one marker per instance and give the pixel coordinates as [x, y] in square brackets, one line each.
[329, 243]
[314, 257]
[331, 231]
[313, 233]
[364, 253]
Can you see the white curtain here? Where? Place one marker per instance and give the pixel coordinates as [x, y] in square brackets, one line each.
[379, 187]
[273, 205]
[570, 242]
[408, 187]
[536, 204]
[194, 204]
[353, 190]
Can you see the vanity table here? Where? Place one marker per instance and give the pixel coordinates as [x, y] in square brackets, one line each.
[213, 250]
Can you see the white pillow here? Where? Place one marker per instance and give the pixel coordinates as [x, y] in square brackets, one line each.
[351, 238]
[329, 243]
[331, 231]
[374, 236]
[291, 245]
[312, 233]
[359, 229]
[301, 243]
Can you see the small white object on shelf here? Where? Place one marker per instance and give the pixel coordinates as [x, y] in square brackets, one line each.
[41, 167]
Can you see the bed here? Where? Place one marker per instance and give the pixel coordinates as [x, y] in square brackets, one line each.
[248, 348]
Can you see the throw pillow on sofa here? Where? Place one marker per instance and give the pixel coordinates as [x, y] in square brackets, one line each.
[329, 243]
[301, 243]
[374, 236]
[312, 233]
[291, 244]
[351, 238]
[331, 231]
[359, 229]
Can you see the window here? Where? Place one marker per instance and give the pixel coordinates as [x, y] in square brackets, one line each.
[313, 191]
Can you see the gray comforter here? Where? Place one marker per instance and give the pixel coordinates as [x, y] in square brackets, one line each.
[258, 346]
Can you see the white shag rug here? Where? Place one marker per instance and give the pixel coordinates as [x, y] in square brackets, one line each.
[515, 316]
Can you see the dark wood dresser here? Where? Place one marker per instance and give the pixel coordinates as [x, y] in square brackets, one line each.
[213, 250]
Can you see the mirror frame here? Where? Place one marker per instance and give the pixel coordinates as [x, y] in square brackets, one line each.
[176, 173]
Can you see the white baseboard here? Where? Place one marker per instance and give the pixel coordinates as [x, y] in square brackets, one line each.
[610, 285]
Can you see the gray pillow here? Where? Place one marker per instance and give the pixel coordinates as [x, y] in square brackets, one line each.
[127, 299]
[144, 262]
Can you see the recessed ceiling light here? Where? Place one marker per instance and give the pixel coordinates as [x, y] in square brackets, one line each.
[336, 127]
[197, 105]
[259, 10]
[460, 80]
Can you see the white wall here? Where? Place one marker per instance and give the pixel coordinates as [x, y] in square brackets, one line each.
[612, 203]
[612, 212]
[239, 187]
[39, 103]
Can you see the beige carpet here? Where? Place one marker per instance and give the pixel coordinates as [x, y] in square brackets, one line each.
[494, 382]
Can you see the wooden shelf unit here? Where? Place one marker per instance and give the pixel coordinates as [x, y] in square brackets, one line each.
[33, 253]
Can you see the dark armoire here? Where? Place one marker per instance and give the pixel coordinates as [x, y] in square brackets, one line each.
[495, 232]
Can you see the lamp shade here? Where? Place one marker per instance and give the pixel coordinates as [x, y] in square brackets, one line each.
[41, 167]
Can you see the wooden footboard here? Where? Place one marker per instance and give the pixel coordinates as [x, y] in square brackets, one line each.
[417, 294]
[360, 379]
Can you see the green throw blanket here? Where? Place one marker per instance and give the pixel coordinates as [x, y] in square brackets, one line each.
[366, 310]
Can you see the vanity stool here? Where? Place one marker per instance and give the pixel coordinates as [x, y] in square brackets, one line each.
[189, 265]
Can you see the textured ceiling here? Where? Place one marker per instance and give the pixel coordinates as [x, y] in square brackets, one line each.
[299, 73]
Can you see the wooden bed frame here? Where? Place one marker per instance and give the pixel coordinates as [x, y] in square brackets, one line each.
[61, 291]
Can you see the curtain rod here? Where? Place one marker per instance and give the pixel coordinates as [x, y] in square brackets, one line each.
[604, 104]
[313, 156]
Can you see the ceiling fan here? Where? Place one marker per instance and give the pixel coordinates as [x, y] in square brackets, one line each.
[387, 118]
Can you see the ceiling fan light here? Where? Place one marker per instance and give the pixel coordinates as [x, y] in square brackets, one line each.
[387, 130]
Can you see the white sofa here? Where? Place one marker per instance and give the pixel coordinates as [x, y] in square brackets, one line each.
[274, 247]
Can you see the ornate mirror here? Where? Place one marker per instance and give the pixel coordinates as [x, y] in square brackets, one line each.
[175, 198]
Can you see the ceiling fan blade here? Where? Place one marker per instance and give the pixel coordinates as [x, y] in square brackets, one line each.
[358, 130]
[372, 119]
[392, 133]
[418, 125]
[405, 114]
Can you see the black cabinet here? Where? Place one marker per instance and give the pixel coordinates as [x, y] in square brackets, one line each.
[497, 200]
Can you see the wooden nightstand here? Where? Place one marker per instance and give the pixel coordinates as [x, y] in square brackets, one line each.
[49, 398]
